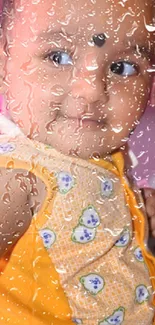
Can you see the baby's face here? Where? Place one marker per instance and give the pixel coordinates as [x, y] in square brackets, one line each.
[69, 86]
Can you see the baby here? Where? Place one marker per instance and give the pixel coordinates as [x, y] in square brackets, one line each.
[72, 246]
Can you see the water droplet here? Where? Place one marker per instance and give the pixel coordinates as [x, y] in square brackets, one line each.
[35, 2]
[96, 156]
[92, 13]
[133, 29]
[109, 21]
[122, 3]
[149, 28]
[103, 128]
[117, 129]
[20, 223]
[128, 13]
[57, 91]
[151, 69]
[140, 134]
[68, 217]
[61, 271]
[49, 127]
[90, 27]
[44, 170]
[35, 192]
[51, 12]
[10, 164]
[20, 8]
[93, 66]
[6, 198]
[16, 234]
[9, 242]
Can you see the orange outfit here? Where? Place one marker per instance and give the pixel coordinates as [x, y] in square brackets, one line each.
[83, 258]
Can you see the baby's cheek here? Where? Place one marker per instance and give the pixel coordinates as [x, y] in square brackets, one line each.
[43, 81]
[52, 83]
[50, 88]
[127, 101]
[130, 94]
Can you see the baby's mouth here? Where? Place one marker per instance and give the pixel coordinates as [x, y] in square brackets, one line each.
[89, 124]
[79, 124]
[84, 122]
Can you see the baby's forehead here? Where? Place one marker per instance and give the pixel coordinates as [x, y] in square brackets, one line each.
[119, 20]
[106, 7]
[71, 12]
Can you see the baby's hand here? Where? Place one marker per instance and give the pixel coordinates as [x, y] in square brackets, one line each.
[149, 195]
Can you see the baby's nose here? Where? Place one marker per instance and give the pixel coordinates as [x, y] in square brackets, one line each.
[89, 81]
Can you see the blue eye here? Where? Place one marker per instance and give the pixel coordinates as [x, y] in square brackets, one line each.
[123, 68]
[60, 58]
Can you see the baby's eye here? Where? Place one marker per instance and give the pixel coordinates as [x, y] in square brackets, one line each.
[60, 58]
[123, 68]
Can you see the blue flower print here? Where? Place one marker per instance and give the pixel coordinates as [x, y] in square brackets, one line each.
[6, 147]
[142, 294]
[93, 283]
[90, 217]
[48, 236]
[106, 187]
[124, 239]
[116, 318]
[77, 321]
[83, 234]
[65, 182]
[138, 255]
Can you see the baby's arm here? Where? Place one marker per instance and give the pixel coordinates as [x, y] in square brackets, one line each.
[15, 210]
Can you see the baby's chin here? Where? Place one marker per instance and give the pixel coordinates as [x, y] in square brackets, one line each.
[84, 148]
[81, 152]
[80, 143]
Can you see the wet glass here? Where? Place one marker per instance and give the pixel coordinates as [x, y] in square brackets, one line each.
[77, 202]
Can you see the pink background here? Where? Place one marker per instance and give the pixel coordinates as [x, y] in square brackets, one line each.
[142, 143]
